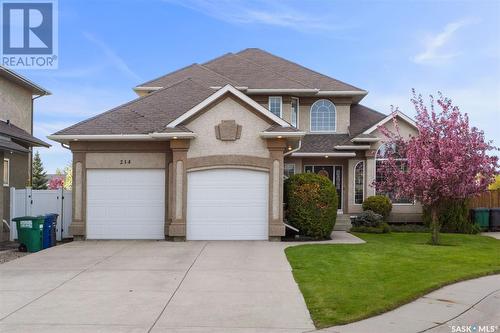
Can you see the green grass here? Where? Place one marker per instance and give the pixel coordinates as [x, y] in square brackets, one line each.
[346, 283]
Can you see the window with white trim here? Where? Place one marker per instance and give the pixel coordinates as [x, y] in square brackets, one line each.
[275, 105]
[6, 172]
[323, 116]
[294, 116]
[359, 182]
[382, 156]
[289, 169]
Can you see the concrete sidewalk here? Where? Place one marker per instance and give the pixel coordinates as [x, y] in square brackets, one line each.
[495, 234]
[468, 303]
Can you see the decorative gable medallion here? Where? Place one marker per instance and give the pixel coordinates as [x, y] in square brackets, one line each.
[228, 130]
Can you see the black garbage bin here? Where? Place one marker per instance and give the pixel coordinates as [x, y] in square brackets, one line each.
[495, 219]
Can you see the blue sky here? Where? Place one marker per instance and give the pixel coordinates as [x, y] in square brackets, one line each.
[385, 47]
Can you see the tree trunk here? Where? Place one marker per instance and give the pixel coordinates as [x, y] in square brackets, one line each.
[435, 225]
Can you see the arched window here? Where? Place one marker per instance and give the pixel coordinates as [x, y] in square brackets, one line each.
[382, 156]
[359, 182]
[323, 116]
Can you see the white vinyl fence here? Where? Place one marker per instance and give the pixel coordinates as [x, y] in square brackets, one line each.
[28, 202]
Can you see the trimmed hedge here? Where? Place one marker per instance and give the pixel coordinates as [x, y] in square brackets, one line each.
[383, 228]
[409, 228]
[311, 202]
[379, 204]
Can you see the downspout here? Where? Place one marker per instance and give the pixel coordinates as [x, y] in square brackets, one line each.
[294, 150]
[65, 146]
[30, 166]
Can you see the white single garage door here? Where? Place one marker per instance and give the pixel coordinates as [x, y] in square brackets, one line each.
[226, 204]
[125, 204]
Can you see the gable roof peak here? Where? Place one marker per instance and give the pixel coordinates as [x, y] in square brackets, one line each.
[228, 88]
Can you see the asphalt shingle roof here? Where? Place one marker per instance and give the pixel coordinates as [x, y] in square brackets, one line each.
[8, 145]
[250, 74]
[362, 118]
[145, 114]
[201, 73]
[183, 89]
[310, 78]
[254, 68]
[10, 130]
[322, 143]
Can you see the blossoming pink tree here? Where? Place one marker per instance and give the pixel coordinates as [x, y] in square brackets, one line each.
[447, 160]
[56, 183]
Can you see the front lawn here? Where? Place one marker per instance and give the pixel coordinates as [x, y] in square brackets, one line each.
[346, 283]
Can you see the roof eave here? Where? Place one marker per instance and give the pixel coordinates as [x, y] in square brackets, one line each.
[279, 135]
[65, 138]
[147, 89]
[352, 147]
[365, 139]
[388, 118]
[21, 80]
[325, 154]
[218, 94]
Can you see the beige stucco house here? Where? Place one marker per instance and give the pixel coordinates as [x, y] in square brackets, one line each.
[203, 151]
[16, 136]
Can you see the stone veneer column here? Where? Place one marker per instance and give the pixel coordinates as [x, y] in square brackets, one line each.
[276, 227]
[178, 190]
[78, 225]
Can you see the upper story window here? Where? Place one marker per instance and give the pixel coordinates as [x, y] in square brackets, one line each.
[294, 116]
[275, 105]
[323, 116]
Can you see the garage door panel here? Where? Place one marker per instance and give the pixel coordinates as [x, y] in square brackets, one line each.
[119, 193]
[232, 232]
[125, 204]
[231, 194]
[258, 212]
[227, 204]
[121, 177]
[106, 231]
[133, 213]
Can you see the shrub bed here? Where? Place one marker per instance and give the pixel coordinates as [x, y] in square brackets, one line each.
[370, 222]
[409, 228]
[454, 218]
[379, 204]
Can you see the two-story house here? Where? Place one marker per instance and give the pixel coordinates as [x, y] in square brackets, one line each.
[202, 152]
[16, 136]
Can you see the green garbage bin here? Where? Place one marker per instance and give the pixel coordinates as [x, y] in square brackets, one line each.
[481, 217]
[29, 232]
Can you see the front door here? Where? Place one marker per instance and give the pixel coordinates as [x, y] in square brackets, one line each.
[332, 172]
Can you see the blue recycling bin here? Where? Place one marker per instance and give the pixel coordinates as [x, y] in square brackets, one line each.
[49, 230]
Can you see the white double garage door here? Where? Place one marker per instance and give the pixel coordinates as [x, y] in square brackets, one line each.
[222, 204]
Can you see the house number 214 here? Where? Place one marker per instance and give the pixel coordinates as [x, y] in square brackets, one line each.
[124, 161]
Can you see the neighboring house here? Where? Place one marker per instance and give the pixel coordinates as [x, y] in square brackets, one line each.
[201, 154]
[16, 136]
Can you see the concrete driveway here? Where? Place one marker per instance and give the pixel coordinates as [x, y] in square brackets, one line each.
[149, 286]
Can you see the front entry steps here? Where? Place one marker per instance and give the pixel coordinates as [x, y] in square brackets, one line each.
[343, 222]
